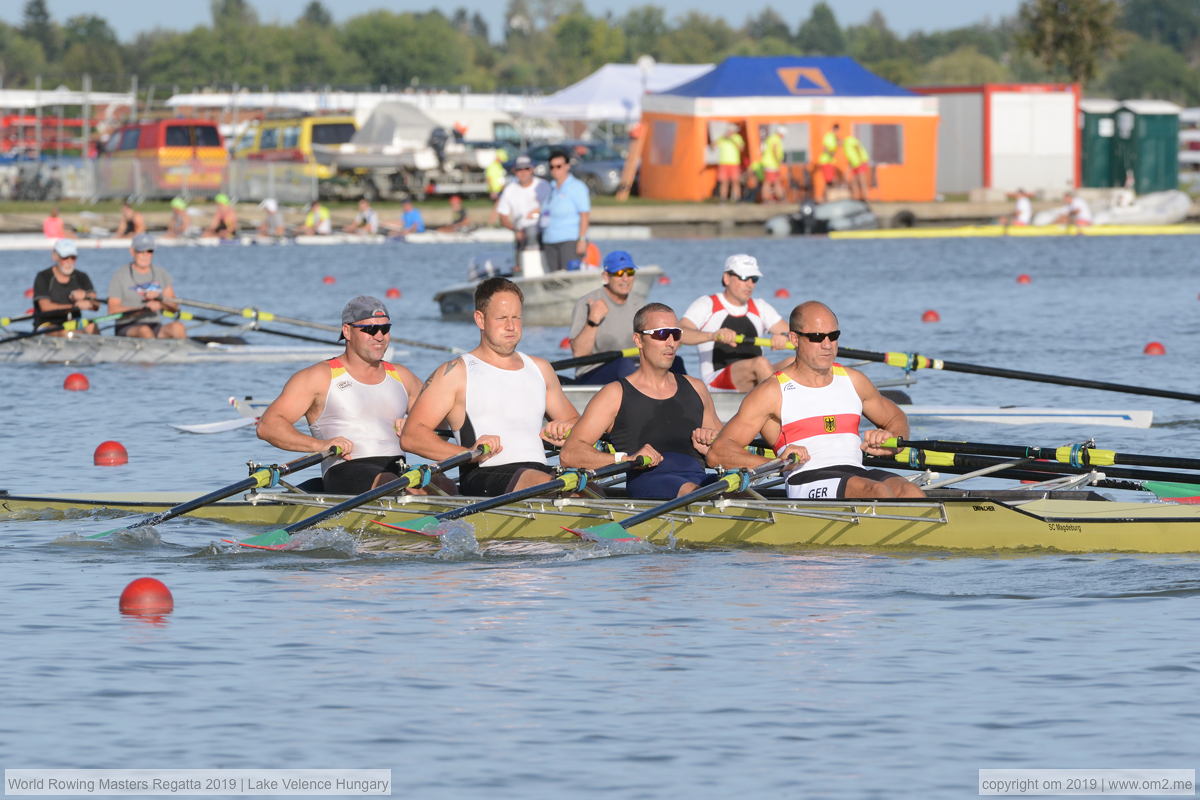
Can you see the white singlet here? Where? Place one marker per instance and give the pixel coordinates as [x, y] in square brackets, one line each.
[708, 314]
[830, 434]
[509, 403]
[364, 413]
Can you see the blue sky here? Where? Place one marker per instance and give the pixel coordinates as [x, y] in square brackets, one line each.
[129, 17]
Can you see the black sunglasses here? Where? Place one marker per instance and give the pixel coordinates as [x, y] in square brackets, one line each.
[371, 330]
[817, 338]
[752, 278]
[662, 334]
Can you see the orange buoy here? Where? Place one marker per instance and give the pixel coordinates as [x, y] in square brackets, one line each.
[329, 280]
[1154, 349]
[663, 280]
[931, 316]
[565, 344]
[29, 292]
[393, 293]
[110, 454]
[782, 293]
[1023, 278]
[76, 382]
[146, 596]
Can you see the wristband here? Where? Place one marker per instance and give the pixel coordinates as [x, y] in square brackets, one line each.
[618, 457]
[594, 324]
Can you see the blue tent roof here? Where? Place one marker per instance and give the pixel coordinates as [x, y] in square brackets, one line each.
[784, 76]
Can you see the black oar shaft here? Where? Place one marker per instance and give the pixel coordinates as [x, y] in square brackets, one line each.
[938, 460]
[1015, 472]
[577, 480]
[1079, 455]
[187, 315]
[595, 358]
[997, 372]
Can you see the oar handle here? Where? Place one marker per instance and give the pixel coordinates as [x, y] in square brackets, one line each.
[762, 341]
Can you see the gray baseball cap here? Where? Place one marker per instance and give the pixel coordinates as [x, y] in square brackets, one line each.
[143, 242]
[363, 307]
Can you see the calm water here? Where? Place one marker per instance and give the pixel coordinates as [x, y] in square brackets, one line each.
[550, 671]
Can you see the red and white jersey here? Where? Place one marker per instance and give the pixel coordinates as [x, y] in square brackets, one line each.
[822, 419]
[709, 313]
[364, 413]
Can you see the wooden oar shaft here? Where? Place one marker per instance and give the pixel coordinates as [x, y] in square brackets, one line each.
[915, 361]
[1077, 455]
[594, 358]
[910, 458]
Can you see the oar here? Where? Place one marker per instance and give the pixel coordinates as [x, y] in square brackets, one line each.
[1077, 455]
[569, 481]
[259, 478]
[267, 316]
[737, 480]
[75, 324]
[913, 361]
[6, 321]
[187, 316]
[595, 358]
[415, 478]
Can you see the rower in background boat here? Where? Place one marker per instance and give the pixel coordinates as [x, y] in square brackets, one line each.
[224, 223]
[131, 222]
[1022, 212]
[61, 292]
[355, 401]
[1078, 213]
[813, 408]
[317, 221]
[459, 223]
[493, 395]
[715, 321]
[366, 221]
[272, 223]
[179, 224]
[143, 284]
[653, 412]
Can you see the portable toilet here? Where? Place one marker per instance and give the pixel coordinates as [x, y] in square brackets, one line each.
[1147, 144]
[1097, 126]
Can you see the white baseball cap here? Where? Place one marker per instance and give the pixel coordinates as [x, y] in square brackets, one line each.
[744, 266]
[270, 205]
[65, 248]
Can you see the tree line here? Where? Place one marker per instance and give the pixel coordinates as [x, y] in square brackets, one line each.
[1119, 48]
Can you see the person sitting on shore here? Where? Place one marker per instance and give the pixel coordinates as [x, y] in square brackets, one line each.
[61, 292]
[131, 222]
[653, 412]
[224, 224]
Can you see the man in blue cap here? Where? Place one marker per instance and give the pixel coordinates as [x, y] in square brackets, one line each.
[602, 320]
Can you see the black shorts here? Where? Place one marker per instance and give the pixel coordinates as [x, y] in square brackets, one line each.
[495, 481]
[121, 328]
[830, 482]
[356, 475]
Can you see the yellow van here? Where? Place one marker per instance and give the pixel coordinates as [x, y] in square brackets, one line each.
[291, 140]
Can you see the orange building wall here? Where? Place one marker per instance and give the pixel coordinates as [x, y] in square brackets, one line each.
[688, 178]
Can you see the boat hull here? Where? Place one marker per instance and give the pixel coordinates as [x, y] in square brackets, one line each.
[84, 350]
[986, 231]
[955, 523]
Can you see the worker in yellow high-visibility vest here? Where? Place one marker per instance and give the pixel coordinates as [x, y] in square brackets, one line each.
[729, 163]
[831, 142]
[859, 162]
[774, 187]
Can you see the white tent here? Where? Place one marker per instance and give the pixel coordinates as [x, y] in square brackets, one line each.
[613, 93]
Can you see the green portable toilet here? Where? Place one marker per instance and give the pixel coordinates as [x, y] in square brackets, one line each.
[1147, 143]
[1097, 125]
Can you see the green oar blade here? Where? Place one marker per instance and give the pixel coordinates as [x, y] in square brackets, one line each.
[608, 532]
[421, 525]
[1175, 492]
[271, 540]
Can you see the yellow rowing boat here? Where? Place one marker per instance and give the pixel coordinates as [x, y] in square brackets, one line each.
[986, 231]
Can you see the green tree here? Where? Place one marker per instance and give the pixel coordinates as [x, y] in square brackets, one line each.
[39, 27]
[644, 28]
[1175, 23]
[582, 44]
[232, 13]
[767, 25]
[1071, 35]
[820, 34]
[315, 13]
[407, 49]
[965, 66]
[91, 46]
[873, 41]
[698, 39]
[21, 58]
[1155, 71]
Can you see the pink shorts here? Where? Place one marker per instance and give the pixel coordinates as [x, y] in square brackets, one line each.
[771, 175]
[828, 172]
[728, 172]
[861, 169]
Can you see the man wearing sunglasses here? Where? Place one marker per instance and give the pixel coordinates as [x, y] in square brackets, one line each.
[652, 412]
[602, 319]
[61, 292]
[144, 287]
[564, 216]
[493, 395]
[356, 401]
[716, 320]
[813, 408]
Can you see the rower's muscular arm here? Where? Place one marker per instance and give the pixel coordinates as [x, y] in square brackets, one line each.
[559, 410]
[597, 420]
[303, 395]
[757, 410]
[443, 397]
[887, 417]
[412, 385]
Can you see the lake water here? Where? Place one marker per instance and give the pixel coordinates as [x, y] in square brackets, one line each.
[550, 671]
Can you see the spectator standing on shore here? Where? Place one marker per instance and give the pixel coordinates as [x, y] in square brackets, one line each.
[859, 162]
[61, 292]
[53, 227]
[774, 189]
[729, 164]
[520, 205]
[565, 215]
[831, 142]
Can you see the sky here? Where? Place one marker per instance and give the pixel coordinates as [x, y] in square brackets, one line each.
[130, 17]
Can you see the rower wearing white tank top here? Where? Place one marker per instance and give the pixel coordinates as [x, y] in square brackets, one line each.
[496, 396]
[813, 408]
[356, 401]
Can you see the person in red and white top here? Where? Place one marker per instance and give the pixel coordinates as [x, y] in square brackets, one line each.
[725, 364]
[813, 408]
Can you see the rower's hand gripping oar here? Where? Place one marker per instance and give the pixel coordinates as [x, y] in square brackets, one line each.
[571, 480]
[1075, 455]
[76, 324]
[737, 480]
[414, 478]
[260, 478]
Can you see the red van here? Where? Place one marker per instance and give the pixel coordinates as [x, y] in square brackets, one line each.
[163, 158]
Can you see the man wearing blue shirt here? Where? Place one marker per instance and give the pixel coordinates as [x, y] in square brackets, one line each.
[565, 215]
[411, 222]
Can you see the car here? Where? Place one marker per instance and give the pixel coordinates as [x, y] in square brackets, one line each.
[593, 162]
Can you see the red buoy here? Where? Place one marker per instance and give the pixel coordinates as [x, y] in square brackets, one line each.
[782, 293]
[146, 596]
[76, 382]
[393, 293]
[110, 454]
[565, 344]
[329, 280]
[1155, 349]
[663, 280]
[29, 292]
[1023, 278]
[931, 316]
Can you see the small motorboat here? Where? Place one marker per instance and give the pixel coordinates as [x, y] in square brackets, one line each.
[819, 218]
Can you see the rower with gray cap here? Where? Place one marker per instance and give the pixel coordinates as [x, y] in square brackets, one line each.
[142, 284]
